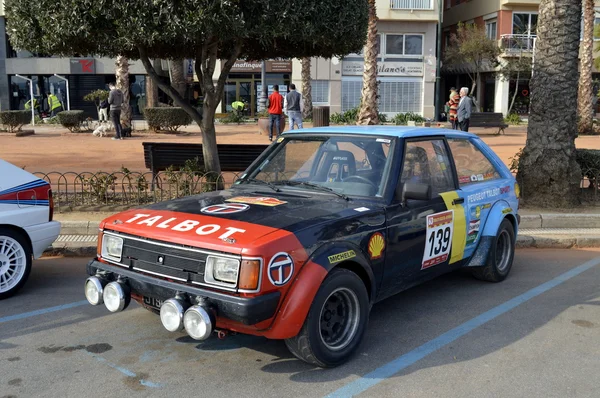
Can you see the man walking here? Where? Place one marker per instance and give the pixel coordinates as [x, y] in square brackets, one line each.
[54, 104]
[294, 107]
[115, 99]
[275, 110]
[464, 109]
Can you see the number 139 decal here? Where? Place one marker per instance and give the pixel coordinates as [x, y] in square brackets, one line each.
[440, 227]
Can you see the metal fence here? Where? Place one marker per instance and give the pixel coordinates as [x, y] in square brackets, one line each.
[129, 188]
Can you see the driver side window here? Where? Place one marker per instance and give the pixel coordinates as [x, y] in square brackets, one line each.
[427, 162]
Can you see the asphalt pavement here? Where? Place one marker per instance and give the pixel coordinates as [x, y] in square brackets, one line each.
[535, 334]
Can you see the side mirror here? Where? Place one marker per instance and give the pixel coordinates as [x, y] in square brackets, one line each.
[415, 191]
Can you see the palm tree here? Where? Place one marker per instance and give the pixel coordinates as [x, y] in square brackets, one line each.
[548, 172]
[584, 104]
[368, 113]
[122, 76]
[306, 88]
[177, 76]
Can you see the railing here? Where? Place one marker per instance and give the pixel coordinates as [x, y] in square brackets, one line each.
[411, 4]
[518, 43]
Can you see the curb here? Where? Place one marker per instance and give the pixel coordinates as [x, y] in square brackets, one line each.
[70, 250]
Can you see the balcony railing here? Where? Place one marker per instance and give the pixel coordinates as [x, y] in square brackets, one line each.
[518, 43]
[411, 4]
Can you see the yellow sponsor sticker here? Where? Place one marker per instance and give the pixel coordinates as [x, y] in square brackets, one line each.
[336, 258]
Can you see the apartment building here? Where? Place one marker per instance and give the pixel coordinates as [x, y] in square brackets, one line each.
[513, 24]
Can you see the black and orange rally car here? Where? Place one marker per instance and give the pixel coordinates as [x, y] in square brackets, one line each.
[326, 222]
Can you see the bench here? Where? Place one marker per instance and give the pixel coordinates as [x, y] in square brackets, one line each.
[488, 119]
[233, 157]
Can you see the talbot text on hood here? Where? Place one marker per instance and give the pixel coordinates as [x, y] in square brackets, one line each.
[175, 224]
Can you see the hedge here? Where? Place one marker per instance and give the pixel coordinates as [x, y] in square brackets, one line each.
[171, 119]
[14, 120]
[71, 120]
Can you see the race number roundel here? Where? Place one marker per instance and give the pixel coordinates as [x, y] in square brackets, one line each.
[281, 269]
[440, 227]
[228, 208]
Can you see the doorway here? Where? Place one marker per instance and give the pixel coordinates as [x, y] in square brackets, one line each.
[239, 90]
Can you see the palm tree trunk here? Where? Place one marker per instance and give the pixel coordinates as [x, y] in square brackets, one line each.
[307, 88]
[584, 104]
[177, 76]
[368, 113]
[122, 76]
[548, 172]
[152, 88]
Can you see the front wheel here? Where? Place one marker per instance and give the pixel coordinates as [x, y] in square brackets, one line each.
[501, 255]
[336, 322]
[15, 262]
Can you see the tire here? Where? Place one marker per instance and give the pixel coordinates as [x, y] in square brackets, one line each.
[15, 262]
[501, 255]
[333, 345]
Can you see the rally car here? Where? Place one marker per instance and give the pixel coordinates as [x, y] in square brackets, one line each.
[26, 226]
[326, 222]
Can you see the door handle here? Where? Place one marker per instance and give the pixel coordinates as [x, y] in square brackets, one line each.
[458, 201]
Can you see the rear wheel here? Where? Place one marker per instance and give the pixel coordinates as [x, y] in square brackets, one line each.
[501, 255]
[336, 322]
[15, 262]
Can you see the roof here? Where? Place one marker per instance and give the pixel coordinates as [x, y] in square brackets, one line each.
[388, 131]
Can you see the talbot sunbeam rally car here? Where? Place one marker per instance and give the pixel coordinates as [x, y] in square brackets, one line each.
[326, 222]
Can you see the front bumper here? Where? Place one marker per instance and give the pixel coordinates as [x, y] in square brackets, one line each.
[248, 311]
[42, 236]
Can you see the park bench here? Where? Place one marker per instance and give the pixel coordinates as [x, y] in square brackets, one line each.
[487, 120]
[158, 156]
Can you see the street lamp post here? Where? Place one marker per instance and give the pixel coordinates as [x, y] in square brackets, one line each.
[67, 83]
[31, 105]
[262, 101]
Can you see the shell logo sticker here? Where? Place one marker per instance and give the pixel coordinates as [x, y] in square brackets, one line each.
[253, 200]
[376, 246]
[281, 269]
[225, 208]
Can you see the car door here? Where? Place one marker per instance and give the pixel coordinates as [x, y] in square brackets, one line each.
[420, 232]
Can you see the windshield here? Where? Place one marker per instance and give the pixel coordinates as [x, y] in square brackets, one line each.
[349, 165]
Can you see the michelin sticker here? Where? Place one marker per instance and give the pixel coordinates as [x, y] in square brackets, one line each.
[440, 228]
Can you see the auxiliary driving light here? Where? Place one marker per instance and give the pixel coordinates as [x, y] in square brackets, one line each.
[171, 314]
[116, 296]
[94, 287]
[199, 322]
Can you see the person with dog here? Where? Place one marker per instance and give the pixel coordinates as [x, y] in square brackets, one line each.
[103, 114]
[115, 100]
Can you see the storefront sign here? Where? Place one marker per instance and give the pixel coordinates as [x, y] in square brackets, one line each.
[83, 66]
[279, 66]
[274, 66]
[355, 68]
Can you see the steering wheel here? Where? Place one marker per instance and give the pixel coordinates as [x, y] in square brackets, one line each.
[360, 179]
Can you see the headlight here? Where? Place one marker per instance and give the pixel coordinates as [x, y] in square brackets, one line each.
[112, 247]
[221, 271]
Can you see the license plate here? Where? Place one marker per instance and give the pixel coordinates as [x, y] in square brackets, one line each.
[152, 302]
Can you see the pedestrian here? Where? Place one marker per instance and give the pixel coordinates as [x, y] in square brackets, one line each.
[36, 106]
[294, 107]
[465, 107]
[115, 100]
[453, 107]
[275, 111]
[54, 104]
[103, 114]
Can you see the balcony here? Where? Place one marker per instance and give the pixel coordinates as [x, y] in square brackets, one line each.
[411, 4]
[517, 44]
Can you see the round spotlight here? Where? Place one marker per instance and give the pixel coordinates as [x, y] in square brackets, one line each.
[199, 322]
[171, 314]
[94, 287]
[116, 296]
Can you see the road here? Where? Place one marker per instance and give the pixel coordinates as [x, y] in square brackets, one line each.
[452, 337]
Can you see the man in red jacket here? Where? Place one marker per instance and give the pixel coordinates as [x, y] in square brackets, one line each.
[275, 110]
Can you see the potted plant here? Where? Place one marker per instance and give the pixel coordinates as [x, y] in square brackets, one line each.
[263, 122]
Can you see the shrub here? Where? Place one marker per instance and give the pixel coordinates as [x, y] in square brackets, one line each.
[162, 118]
[382, 118]
[71, 120]
[14, 120]
[348, 117]
[513, 119]
[233, 117]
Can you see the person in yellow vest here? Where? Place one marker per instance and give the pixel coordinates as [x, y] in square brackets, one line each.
[36, 105]
[54, 104]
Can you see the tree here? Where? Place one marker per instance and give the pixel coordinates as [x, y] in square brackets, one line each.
[470, 46]
[368, 112]
[97, 97]
[122, 76]
[586, 92]
[548, 172]
[203, 30]
[306, 88]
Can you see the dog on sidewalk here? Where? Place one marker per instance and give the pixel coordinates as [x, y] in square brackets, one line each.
[100, 131]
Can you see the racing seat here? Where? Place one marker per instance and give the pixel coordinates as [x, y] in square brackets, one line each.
[416, 166]
[336, 166]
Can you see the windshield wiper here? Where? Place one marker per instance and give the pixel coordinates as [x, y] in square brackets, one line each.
[312, 185]
[267, 183]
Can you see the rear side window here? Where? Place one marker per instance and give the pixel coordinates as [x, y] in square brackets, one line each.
[427, 162]
[472, 166]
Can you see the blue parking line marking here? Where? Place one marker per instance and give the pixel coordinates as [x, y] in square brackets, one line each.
[391, 368]
[125, 371]
[43, 311]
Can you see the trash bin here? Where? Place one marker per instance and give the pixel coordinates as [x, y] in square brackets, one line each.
[320, 116]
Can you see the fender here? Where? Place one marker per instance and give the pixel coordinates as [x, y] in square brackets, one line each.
[498, 212]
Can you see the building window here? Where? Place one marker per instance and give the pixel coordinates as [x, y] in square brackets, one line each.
[525, 24]
[361, 52]
[491, 30]
[404, 44]
[320, 91]
[350, 94]
[394, 96]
